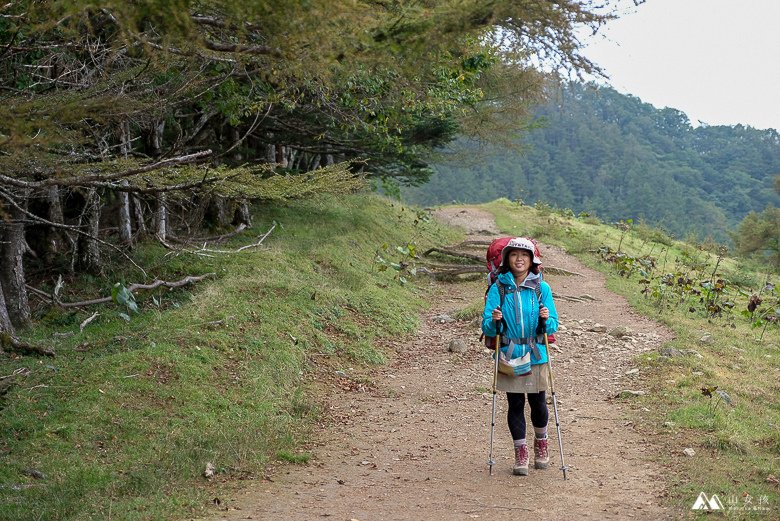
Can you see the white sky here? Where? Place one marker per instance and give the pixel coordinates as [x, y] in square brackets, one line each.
[716, 60]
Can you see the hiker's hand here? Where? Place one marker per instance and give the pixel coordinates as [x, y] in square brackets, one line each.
[497, 314]
[544, 313]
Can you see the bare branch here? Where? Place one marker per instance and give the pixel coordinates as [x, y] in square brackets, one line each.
[206, 251]
[133, 287]
[219, 238]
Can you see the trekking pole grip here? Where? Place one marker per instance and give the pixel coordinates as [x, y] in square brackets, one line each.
[542, 329]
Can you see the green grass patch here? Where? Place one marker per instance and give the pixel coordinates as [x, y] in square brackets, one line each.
[297, 459]
[124, 421]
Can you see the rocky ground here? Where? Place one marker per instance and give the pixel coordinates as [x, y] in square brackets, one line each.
[411, 440]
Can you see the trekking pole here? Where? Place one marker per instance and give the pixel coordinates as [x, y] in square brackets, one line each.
[491, 461]
[564, 468]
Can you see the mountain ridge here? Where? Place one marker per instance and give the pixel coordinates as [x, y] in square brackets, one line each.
[598, 151]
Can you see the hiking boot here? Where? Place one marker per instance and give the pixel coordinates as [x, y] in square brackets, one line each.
[521, 461]
[541, 455]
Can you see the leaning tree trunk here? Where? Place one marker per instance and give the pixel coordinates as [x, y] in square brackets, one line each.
[12, 279]
[88, 250]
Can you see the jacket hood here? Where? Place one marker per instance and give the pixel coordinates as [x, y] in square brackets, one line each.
[532, 281]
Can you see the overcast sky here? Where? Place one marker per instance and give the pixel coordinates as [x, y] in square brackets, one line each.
[716, 60]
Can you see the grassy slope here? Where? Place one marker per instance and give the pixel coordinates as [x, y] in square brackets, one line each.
[737, 447]
[124, 420]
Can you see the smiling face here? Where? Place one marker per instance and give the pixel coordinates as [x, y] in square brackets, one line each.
[519, 262]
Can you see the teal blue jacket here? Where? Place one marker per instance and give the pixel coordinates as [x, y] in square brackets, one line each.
[521, 312]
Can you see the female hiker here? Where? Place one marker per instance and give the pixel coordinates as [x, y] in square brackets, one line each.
[527, 301]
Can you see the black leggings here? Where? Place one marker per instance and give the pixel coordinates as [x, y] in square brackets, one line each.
[516, 413]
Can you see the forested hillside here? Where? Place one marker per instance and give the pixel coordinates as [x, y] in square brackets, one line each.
[605, 153]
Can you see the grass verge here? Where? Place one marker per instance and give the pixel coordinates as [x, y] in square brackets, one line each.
[124, 421]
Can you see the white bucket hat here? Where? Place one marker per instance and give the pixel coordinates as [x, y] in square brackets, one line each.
[520, 243]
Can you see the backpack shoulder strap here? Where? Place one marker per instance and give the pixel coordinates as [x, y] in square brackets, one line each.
[501, 293]
[539, 330]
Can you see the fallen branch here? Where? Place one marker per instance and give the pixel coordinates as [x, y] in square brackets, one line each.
[216, 238]
[87, 321]
[11, 343]
[133, 287]
[454, 253]
[206, 251]
[571, 298]
[552, 270]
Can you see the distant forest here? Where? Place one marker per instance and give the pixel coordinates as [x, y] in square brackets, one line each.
[611, 155]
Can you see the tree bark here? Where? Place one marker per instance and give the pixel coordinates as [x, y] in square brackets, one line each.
[315, 163]
[195, 217]
[243, 215]
[156, 138]
[221, 210]
[88, 250]
[5, 320]
[235, 136]
[138, 210]
[281, 160]
[12, 279]
[56, 236]
[161, 217]
[125, 224]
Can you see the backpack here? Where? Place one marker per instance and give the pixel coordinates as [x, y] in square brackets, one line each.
[493, 258]
[493, 263]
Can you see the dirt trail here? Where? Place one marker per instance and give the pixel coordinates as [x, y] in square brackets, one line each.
[414, 444]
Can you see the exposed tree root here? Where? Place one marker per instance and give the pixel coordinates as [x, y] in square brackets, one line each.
[10, 343]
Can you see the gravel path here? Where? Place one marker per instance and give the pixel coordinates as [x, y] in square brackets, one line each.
[412, 441]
